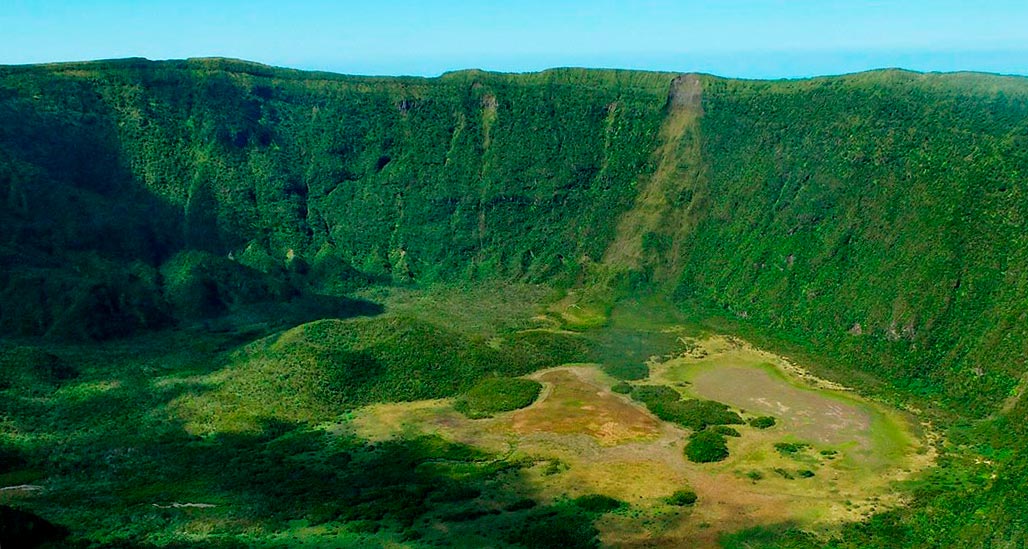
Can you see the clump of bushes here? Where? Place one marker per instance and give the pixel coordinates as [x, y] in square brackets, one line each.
[497, 394]
[696, 414]
[565, 526]
[725, 430]
[655, 394]
[790, 448]
[706, 447]
[555, 467]
[621, 388]
[681, 498]
[762, 422]
[598, 503]
[667, 404]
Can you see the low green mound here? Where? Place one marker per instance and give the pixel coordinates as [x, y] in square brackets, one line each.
[319, 369]
[706, 447]
[762, 422]
[497, 394]
[681, 498]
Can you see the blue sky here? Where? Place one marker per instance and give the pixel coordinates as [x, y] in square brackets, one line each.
[752, 39]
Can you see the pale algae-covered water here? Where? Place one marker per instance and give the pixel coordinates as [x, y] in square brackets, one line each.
[761, 383]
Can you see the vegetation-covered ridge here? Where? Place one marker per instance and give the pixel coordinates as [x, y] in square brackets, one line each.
[878, 214]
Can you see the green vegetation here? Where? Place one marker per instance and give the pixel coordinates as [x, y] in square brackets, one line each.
[497, 394]
[320, 369]
[682, 498]
[621, 388]
[790, 448]
[598, 503]
[706, 447]
[666, 403]
[179, 240]
[651, 395]
[696, 414]
[762, 422]
[297, 480]
[725, 430]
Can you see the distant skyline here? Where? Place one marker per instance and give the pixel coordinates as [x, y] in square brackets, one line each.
[746, 39]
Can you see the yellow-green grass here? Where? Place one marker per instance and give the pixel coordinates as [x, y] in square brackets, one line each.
[587, 439]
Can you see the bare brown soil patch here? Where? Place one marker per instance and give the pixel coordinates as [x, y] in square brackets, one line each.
[574, 405]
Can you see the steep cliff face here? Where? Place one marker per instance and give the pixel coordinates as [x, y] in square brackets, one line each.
[465, 177]
[878, 215]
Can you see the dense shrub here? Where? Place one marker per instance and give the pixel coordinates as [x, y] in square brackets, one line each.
[552, 528]
[682, 498]
[497, 394]
[655, 394]
[790, 448]
[621, 388]
[665, 403]
[696, 414]
[762, 422]
[706, 447]
[725, 430]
